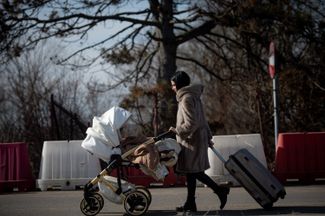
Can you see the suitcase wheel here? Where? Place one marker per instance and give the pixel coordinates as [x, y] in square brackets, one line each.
[282, 194]
[268, 206]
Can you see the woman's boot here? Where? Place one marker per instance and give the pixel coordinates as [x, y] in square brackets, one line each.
[189, 205]
[222, 194]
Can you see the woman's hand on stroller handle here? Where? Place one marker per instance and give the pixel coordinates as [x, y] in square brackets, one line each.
[211, 144]
[172, 129]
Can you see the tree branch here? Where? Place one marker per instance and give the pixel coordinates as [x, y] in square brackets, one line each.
[118, 17]
[201, 30]
[202, 66]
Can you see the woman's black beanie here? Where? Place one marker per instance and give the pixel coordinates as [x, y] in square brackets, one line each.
[181, 79]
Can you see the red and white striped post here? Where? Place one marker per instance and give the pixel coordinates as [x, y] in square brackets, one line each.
[274, 76]
[272, 60]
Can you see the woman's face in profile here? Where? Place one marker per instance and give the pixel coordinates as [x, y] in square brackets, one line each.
[173, 86]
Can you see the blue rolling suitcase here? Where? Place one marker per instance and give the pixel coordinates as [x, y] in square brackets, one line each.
[254, 177]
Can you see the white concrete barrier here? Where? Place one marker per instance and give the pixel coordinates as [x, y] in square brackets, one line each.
[65, 165]
[228, 145]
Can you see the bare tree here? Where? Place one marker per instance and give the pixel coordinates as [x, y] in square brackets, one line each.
[138, 32]
[154, 24]
[28, 82]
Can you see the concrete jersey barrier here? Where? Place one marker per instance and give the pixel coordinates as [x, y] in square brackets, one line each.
[65, 165]
[228, 145]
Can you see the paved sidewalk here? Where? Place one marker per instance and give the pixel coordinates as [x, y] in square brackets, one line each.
[300, 200]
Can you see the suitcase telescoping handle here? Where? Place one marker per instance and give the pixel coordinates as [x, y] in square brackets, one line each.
[213, 149]
[218, 154]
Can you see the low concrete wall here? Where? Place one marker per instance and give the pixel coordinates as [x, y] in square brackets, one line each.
[65, 165]
[228, 145]
[300, 157]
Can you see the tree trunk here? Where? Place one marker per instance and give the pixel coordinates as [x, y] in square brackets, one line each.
[167, 104]
[169, 41]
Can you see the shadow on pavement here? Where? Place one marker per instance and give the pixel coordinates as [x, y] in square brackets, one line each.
[160, 213]
[275, 211]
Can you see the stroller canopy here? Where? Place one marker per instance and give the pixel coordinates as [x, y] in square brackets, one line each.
[103, 136]
[116, 117]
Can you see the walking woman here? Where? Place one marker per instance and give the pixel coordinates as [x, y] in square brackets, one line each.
[194, 135]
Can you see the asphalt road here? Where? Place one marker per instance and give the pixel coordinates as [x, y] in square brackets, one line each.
[300, 200]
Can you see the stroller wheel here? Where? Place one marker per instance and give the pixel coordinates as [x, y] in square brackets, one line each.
[91, 208]
[145, 191]
[136, 203]
[100, 199]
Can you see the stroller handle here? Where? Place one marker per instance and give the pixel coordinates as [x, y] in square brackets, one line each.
[163, 135]
[149, 142]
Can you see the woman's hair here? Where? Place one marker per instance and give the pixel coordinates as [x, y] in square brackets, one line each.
[181, 79]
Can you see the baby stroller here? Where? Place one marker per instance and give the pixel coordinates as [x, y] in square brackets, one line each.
[103, 140]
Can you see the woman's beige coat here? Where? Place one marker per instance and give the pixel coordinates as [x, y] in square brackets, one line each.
[193, 131]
